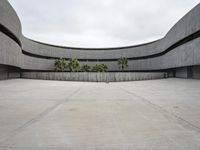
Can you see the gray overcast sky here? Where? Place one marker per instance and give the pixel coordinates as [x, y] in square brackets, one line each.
[99, 23]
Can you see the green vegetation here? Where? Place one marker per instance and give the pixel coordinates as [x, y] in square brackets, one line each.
[60, 65]
[123, 63]
[73, 65]
[85, 68]
[99, 68]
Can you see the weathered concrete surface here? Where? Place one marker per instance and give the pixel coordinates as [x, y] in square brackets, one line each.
[143, 115]
[9, 72]
[93, 76]
[178, 48]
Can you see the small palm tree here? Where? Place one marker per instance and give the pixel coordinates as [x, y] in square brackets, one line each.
[60, 64]
[104, 67]
[123, 63]
[73, 65]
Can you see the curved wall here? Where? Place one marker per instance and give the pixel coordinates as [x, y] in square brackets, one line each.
[179, 48]
[9, 19]
[10, 35]
[187, 26]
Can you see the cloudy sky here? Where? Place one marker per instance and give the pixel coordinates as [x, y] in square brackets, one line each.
[99, 23]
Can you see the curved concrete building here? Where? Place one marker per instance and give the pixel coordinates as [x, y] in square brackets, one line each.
[178, 52]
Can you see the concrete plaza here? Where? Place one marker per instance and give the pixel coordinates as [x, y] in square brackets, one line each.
[141, 115]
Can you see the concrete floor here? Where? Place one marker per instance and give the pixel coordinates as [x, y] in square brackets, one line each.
[141, 115]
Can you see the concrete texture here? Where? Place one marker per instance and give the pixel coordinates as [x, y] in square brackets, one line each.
[144, 115]
[93, 77]
[188, 25]
[196, 72]
[10, 52]
[183, 40]
[9, 18]
[186, 54]
[182, 72]
[9, 72]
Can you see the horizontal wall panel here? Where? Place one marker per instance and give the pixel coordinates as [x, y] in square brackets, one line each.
[188, 25]
[9, 18]
[10, 52]
[179, 48]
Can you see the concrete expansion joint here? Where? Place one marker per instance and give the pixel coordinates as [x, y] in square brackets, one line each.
[169, 115]
[40, 116]
[99, 116]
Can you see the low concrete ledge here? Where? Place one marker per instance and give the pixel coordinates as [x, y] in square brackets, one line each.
[93, 77]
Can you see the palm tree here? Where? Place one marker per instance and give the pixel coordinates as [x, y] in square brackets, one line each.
[123, 63]
[104, 67]
[73, 65]
[60, 64]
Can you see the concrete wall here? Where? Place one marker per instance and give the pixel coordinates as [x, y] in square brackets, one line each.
[10, 52]
[9, 19]
[188, 25]
[196, 72]
[182, 72]
[10, 36]
[191, 72]
[7, 72]
[92, 77]
[180, 47]
[187, 54]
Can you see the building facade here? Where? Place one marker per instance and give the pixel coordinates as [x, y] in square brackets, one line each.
[178, 52]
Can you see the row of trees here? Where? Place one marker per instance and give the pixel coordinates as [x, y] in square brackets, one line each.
[74, 66]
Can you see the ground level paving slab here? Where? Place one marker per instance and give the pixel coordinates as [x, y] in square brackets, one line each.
[141, 115]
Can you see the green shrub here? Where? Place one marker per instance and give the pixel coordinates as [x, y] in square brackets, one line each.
[85, 68]
[104, 67]
[123, 63]
[73, 65]
[60, 64]
[99, 68]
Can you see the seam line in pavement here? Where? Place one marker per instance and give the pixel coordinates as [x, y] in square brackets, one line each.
[40, 116]
[168, 114]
